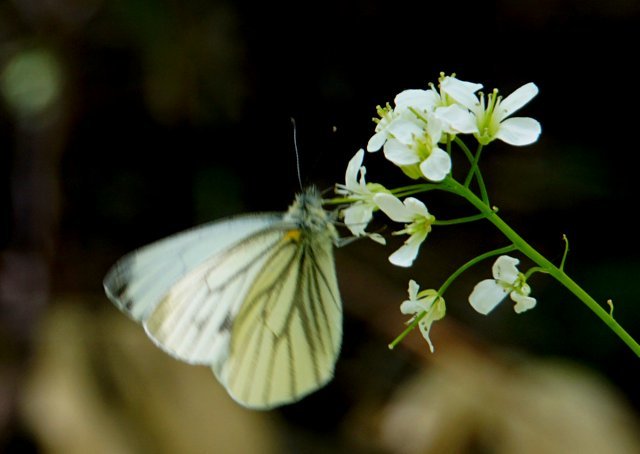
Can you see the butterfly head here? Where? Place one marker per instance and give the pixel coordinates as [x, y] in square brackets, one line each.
[307, 213]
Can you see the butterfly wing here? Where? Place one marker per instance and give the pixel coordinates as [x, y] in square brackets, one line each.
[253, 297]
[287, 334]
[185, 289]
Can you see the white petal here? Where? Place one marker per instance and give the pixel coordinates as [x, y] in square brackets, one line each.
[437, 166]
[461, 91]
[392, 207]
[351, 175]
[435, 128]
[424, 329]
[505, 269]
[517, 99]
[357, 216]
[408, 252]
[376, 141]
[416, 207]
[377, 238]
[399, 153]
[413, 290]
[411, 307]
[486, 295]
[405, 131]
[418, 99]
[523, 302]
[458, 119]
[519, 131]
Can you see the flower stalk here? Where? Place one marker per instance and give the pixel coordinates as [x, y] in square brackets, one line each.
[535, 256]
[417, 135]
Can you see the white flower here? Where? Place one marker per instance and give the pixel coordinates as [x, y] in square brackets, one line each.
[421, 119]
[358, 214]
[388, 116]
[401, 122]
[417, 221]
[414, 148]
[446, 104]
[458, 90]
[430, 302]
[488, 293]
[415, 108]
[432, 162]
[492, 122]
[419, 100]
[450, 106]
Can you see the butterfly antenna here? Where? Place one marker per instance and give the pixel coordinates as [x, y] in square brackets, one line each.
[295, 147]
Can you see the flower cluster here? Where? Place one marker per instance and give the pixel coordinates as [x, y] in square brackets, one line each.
[416, 134]
[413, 132]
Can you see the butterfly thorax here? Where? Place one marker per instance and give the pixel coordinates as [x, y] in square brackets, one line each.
[307, 214]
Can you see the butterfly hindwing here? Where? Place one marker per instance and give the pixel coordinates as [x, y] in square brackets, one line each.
[289, 328]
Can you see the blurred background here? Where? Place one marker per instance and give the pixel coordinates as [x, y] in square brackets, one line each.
[124, 121]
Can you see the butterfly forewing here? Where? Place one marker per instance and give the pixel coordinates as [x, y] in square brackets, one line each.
[194, 319]
[139, 280]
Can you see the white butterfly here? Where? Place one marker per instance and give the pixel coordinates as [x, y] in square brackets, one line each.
[255, 297]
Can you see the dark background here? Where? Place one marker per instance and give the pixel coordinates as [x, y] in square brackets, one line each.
[166, 114]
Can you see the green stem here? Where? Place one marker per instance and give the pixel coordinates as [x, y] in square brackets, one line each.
[407, 330]
[474, 170]
[414, 189]
[533, 270]
[337, 201]
[566, 251]
[465, 149]
[474, 166]
[472, 218]
[558, 273]
[470, 263]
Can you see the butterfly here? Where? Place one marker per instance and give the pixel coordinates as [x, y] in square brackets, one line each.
[255, 297]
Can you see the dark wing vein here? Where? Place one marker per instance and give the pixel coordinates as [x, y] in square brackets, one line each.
[191, 322]
[285, 338]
